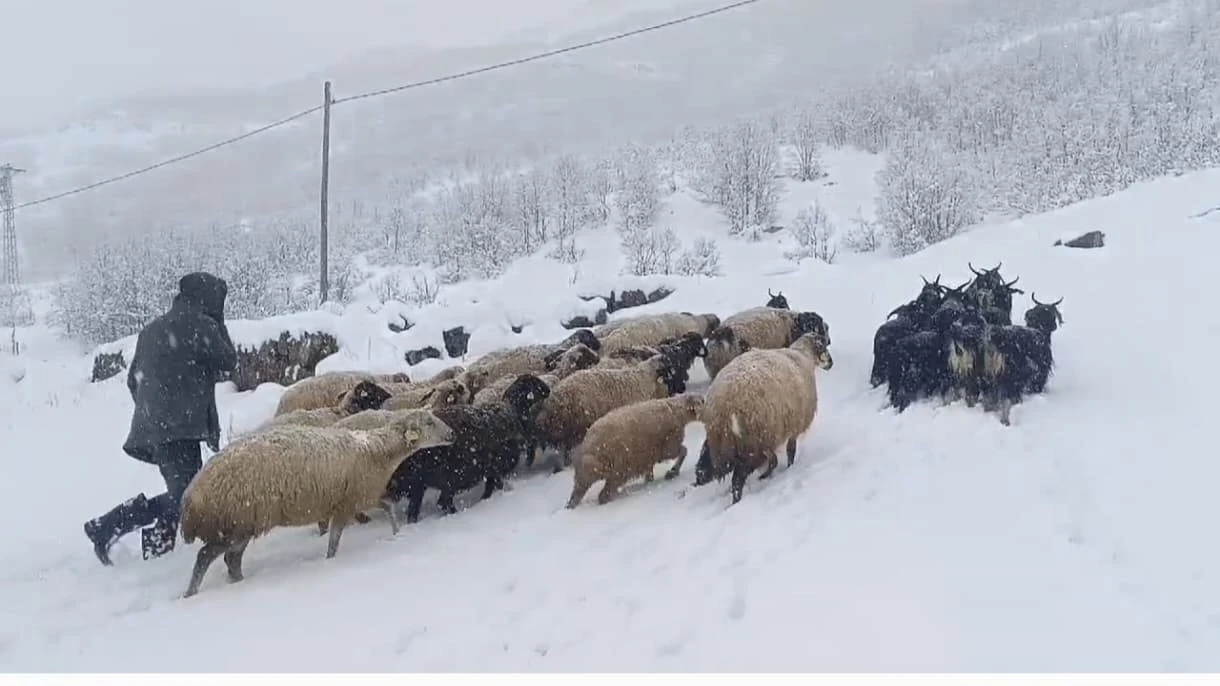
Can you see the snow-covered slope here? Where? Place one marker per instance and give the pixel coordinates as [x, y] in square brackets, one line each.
[933, 540]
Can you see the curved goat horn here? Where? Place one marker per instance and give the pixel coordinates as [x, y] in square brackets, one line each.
[976, 272]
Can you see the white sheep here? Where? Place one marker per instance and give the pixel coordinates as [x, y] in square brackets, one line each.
[295, 476]
[628, 442]
[759, 401]
[654, 329]
[320, 391]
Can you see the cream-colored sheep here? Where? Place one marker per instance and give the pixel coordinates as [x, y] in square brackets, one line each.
[294, 476]
[759, 328]
[655, 329]
[759, 401]
[533, 359]
[320, 391]
[440, 394]
[366, 395]
[587, 395]
[628, 442]
[569, 361]
[447, 373]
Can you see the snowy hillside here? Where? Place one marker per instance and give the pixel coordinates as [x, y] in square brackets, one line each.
[934, 540]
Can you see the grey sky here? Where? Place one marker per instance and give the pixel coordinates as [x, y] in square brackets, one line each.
[63, 53]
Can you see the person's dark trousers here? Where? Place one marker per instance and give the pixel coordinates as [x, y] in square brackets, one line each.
[179, 462]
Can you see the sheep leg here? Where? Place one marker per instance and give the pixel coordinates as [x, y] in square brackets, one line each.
[415, 501]
[580, 487]
[337, 522]
[233, 557]
[649, 477]
[493, 484]
[391, 513]
[323, 527]
[772, 463]
[609, 492]
[972, 392]
[677, 466]
[204, 559]
[445, 502]
[790, 448]
[740, 474]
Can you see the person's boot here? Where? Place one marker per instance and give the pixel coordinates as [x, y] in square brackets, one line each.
[105, 530]
[158, 539]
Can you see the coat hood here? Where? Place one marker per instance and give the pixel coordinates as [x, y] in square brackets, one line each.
[204, 290]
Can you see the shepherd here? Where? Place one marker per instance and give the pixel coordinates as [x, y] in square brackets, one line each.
[172, 378]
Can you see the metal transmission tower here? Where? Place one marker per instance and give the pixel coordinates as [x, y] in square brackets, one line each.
[10, 266]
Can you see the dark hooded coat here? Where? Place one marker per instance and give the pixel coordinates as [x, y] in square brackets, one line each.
[179, 358]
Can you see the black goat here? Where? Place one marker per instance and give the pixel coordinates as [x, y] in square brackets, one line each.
[1019, 359]
[991, 295]
[967, 340]
[777, 300]
[918, 365]
[489, 442]
[905, 320]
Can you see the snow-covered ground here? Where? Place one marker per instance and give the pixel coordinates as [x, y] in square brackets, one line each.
[934, 540]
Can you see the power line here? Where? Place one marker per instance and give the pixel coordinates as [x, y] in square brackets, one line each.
[549, 53]
[386, 91]
[173, 160]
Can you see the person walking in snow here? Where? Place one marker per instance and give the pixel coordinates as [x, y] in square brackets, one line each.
[172, 378]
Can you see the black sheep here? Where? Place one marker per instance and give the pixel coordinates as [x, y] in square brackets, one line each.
[489, 441]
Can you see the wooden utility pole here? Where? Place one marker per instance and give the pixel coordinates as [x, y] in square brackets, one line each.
[323, 276]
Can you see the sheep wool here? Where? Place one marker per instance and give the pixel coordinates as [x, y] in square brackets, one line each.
[760, 400]
[587, 395]
[525, 359]
[566, 363]
[655, 329]
[320, 391]
[294, 476]
[365, 396]
[629, 441]
[442, 394]
[758, 328]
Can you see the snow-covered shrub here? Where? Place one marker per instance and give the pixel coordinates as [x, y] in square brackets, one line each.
[737, 170]
[702, 259]
[650, 251]
[814, 235]
[863, 235]
[926, 194]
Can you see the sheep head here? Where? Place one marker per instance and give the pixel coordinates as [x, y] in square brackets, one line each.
[525, 395]
[365, 396]
[816, 348]
[421, 429]
[584, 337]
[811, 322]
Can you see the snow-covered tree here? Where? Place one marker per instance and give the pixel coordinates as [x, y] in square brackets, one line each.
[805, 135]
[702, 259]
[814, 234]
[926, 194]
[738, 173]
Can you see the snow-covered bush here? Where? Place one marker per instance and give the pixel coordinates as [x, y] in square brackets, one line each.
[926, 194]
[650, 251]
[814, 235]
[737, 170]
[863, 235]
[701, 259]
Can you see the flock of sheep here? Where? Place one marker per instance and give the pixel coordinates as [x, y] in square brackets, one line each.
[610, 401]
[955, 342]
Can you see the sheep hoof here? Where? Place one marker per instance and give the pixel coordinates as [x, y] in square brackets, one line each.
[362, 518]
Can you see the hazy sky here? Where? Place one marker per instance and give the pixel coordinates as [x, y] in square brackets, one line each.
[63, 53]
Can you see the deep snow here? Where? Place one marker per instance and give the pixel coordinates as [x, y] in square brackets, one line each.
[934, 540]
